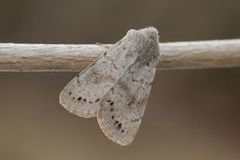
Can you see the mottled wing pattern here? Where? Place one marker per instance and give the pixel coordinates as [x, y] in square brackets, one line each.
[122, 108]
[83, 94]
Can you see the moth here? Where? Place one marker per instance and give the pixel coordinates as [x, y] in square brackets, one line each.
[116, 86]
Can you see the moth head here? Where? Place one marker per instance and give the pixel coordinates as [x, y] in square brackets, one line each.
[145, 42]
[150, 33]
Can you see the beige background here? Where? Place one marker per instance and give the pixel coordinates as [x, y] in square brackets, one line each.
[191, 115]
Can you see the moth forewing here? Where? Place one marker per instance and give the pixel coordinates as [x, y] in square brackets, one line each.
[82, 95]
[122, 108]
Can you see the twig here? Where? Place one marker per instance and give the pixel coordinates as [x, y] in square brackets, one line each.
[69, 57]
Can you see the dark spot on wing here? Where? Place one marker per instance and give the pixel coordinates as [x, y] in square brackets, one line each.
[131, 102]
[147, 64]
[111, 109]
[105, 53]
[116, 122]
[112, 90]
[90, 102]
[73, 98]
[119, 126]
[79, 98]
[111, 103]
[122, 130]
[115, 66]
[136, 120]
[150, 83]
[84, 100]
[112, 117]
[97, 100]
[70, 93]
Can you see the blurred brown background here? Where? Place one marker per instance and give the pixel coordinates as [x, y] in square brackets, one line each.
[191, 115]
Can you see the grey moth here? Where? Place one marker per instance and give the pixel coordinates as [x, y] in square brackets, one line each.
[116, 86]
